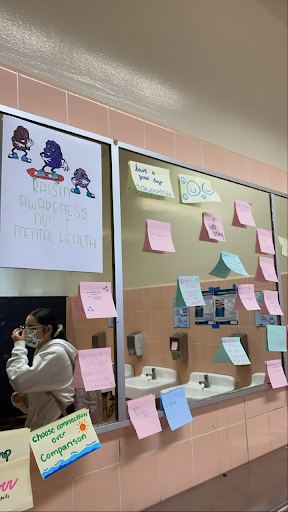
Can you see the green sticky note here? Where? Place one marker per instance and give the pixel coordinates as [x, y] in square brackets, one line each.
[226, 263]
[276, 338]
[179, 301]
[221, 270]
[221, 355]
[231, 349]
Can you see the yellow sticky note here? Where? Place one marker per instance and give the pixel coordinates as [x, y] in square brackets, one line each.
[147, 179]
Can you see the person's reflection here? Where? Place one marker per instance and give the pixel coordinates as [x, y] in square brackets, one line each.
[43, 390]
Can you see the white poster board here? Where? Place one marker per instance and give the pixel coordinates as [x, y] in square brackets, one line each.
[51, 199]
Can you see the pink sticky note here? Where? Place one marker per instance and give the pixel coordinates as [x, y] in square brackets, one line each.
[245, 298]
[96, 368]
[144, 417]
[174, 345]
[242, 214]
[266, 270]
[270, 304]
[275, 374]
[264, 242]
[77, 381]
[212, 228]
[158, 237]
[96, 299]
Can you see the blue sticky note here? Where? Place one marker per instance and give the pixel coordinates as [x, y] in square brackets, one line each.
[221, 355]
[188, 292]
[276, 338]
[226, 263]
[176, 408]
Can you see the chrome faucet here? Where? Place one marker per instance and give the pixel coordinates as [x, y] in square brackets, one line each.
[205, 381]
[153, 374]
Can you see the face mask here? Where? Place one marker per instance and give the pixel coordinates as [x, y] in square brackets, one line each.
[31, 340]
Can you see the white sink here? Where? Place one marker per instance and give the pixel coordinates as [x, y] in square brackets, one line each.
[129, 372]
[257, 379]
[135, 387]
[218, 384]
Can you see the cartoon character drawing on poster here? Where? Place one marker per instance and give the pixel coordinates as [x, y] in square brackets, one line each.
[53, 159]
[21, 141]
[80, 179]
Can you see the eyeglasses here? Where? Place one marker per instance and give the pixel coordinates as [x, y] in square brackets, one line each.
[31, 328]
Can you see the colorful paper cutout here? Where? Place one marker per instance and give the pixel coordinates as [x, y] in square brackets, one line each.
[196, 190]
[188, 292]
[226, 263]
[176, 408]
[242, 214]
[276, 338]
[94, 300]
[144, 416]
[274, 374]
[212, 228]
[265, 270]
[245, 298]
[231, 350]
[147, 179]
[93, 369]
[270, 304]
[264, 242]
[158, 237]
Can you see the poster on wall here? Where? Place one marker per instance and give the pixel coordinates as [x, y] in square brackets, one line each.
[205, 314]
[51, 199]
[224, 302]
[263, 320]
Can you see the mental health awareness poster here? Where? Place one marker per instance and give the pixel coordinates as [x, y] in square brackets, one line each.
[51, 199]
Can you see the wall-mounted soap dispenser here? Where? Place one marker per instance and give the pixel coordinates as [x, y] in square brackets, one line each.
[99, 340]
[135, 344]
[243, 340]
[179, 346]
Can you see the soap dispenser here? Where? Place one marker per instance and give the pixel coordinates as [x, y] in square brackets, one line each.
[135, 343]
[179, 346]
[99, 340]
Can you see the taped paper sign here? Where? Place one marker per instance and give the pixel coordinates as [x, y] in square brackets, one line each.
[276, 338]
[15, 483]
[188, 292]
[242, 214]
[226, 263]
[158, 237]
[275, 374]
[270, 304]
[231, 350]
[144, 416]
[212, 228]
[266, 270]
[245, 298]
[93, 369]
[64, 441]
[176, 408]
[196, 190]
[148, 179]
[264, 242]
[94, 300]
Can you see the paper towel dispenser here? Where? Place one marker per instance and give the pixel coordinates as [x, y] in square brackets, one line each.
[135, 343]
[99, 340]
[179, 346]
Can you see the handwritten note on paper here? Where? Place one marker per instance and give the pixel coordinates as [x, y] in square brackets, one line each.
[188, 292]
[94, 301]
[284, 250]
[266, 270]
[96, 369]
[276, 338]
[264, 242]
[270, 304]
[242, 214]
[148, 179]
[176, 408]
[226, 263]
[144, 416]
[212, 228]
[158, 237]
[230, 349]
[275, 374]
[245, 298]
[196, 190]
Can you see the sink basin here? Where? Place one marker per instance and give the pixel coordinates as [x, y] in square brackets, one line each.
[135, 387]
[218, 384]
[129, 372]
[257, 379]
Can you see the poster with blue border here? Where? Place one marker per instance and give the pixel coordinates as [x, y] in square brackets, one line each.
[181, 317]
[263, 320]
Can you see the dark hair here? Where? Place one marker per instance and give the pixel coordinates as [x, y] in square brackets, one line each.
[46, 317]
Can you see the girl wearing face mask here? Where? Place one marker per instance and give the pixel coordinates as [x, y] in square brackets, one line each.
[43, 390]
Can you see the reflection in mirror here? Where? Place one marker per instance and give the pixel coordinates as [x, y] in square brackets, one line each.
[178, 346]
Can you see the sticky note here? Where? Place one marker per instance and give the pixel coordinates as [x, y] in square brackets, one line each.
[245, 298]
[284, 250]
[242, 214]
[188, 292]
[231, 350]
[174, 345]
[144, 416]
[264, 242]
[176, 408]
[196, 190]
[265, 270]
[212, 229]
[158, 237]
[226, 263]
[94, 300]
[275, 374]
[148, 179]
[93, 369]
[276, 338]
[270, 304]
